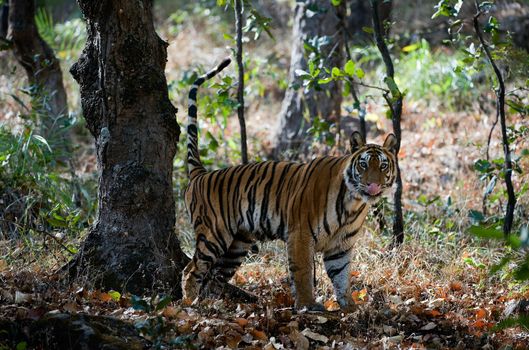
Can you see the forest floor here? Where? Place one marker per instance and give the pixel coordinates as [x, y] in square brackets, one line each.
[408, 298]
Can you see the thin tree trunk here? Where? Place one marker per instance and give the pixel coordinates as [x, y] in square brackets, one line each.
[240, 87]
[500, 108]
[361, 16]
[132, 245]
[297, 105]
[395, 104]
[41, 65]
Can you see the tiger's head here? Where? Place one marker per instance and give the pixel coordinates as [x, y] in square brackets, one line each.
[373, 169]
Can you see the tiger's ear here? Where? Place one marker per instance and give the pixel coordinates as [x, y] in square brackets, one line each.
[357, 141]
[391, 143]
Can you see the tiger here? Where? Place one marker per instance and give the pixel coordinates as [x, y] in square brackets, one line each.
[317, 206]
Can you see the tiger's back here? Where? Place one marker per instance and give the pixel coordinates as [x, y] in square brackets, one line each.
[266, 199]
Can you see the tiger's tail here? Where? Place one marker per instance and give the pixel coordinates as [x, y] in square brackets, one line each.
[194, 165]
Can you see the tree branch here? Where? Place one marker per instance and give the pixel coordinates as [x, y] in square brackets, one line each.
[500, 109]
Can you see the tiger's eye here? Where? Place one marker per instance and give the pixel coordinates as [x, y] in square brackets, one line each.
[383, 166]
[363, 164]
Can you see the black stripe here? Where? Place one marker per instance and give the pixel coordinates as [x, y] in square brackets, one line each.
[340, 202]
[336, 256]
[350, 235]
[192, 111]
[267, 193]
[336, 271]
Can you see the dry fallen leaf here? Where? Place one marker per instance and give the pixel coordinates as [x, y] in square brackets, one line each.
[170, 312]
[360, 296]
[432, 313]
[314, 336]
[240, 279]
[300, 341]
[355, 273]
[389, 330]
[455, 286]
[22, 297]
[71, 307]
[184, 326]
[428, 327]
[331, 305]
[3, 265]
[257, 334]
[241, 321]
[233, 339]
[481, 313]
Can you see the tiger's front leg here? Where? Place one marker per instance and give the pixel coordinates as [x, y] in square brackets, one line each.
[337, 264]
[301, 266]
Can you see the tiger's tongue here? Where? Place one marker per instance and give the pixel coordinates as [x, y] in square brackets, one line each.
[373, 189]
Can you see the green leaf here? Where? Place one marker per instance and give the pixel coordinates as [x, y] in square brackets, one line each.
[497, 267]
[392, 86]
[470, 261]
[482, 166]
[336, 2]
[325, 81]
[486, 232]
[518, 107]
[360, 73]
[335, 72]
[349, 68]
[22, 345]
[302, 74]
[43, 141]
[116, 296]
[368, 30]
[476, 215]
[163, 302]
[492, 25]
[411, 47]
[490, 186]
[522, 321]
[522, 272]
[138, 303]
[55, 222]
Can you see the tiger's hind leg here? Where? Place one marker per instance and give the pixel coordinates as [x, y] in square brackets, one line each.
[209, 249]
[226, 266]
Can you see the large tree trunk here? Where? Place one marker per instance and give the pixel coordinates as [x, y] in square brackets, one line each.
[291, 132]
[41, 65]
[132, 245]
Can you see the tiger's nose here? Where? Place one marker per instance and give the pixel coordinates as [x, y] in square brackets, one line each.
[373, 189]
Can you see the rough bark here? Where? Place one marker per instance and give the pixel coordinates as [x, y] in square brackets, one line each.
[292, 127]
[132, 245]
[41, 65]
